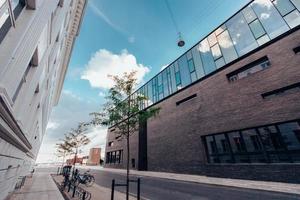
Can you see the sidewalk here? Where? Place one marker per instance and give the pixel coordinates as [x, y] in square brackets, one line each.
[98, 192]
[247, 184]
[40, 186]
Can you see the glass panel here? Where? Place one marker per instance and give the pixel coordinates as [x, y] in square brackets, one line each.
[193, 76]
[197, 61]
[241, 35]
[270, 138]
[296, 3]
[270, 18]
[207, 58]
[212, 149]
[220, 62]
[184, 71]
[216, 52]
[249, 14]
[150, 95]
[220, 29]
[191, 65]
[165, 83]
[254, 146]
[173, 78]
[284, 6]
[223, 149]
[236, 142]
[177, 77]
[293, 19]
[227, 48]
[212, 39]
[262, 40]
[257, 29]
[291, 135]
[169, 80]
[4, 17]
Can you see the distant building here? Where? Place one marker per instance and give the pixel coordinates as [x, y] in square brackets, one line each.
[95, 156]
[77, 161]
[36, 42]
[230, 105]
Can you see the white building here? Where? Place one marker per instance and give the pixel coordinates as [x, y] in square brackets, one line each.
[36, 41]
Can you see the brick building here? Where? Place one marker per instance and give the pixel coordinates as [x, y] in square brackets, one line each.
[230, 106]
[94, 156]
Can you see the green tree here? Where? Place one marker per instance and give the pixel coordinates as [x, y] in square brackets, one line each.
[123, 111]
[63, 149]
[76, 139]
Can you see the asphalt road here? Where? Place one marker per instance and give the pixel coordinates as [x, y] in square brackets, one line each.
[164, 189]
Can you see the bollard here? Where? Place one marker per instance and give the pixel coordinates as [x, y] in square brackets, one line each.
[138, 188]
[112, 189]
[74, 189]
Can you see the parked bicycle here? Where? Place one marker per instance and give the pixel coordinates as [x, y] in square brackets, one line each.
[85, 178]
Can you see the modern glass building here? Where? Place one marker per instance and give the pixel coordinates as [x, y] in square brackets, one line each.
[256, 24]
[229, 105]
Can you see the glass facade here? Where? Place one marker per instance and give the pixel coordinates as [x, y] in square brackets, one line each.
[266, 144]
[257, 23]
[114, 157]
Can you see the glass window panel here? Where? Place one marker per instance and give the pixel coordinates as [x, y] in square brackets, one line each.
[220, 29]
[191, 65]
[270, 138]
[284, 6]
[177, 78]
[296, 3]
[223, 149]
[236, 142]
[4, 17]
[227, 48]
[293, 19]
[257, 29]
[169, 80]
[241, 35]
[249, 14]
[270, 18]
[165, 83]
[212, 39]
[184, 71]
[212, 149]
[216, 52]
[193, 76]
[150, 95]
[189, 55]
[291, 135]
[262, 40]
[197, 62]
[207, 58]
[220, 62]
[173, 78]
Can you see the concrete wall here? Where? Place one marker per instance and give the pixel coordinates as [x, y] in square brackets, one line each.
[44, 33]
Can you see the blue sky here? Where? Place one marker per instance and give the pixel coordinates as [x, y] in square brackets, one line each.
[121, 35]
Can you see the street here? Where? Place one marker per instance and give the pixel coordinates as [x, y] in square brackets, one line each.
[164, 189]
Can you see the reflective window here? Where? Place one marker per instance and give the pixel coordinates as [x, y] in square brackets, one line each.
[212, 39]
[165, 83]
[293, 18]
[269, 17]
[207, 57]
[220, 62]
[216, 52]
[150, 95]
[290, 135]
[197, 62]
[284, 6]
[184, 71]
[220, 29]
[296, 3]
[227, 48]
[249, 14]
[173, 78]
[257, 29]
[262, 40]
[241, 35]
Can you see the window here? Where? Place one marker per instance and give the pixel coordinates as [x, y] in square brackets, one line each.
[249, 69]
[269, 17]
[133, 163]
[241, 35]
[288, 12]
[114, 157]
[257, 29]
[207, 57]
[186, 99]
[110, 144]
[226, 46]
[192, 70]
[284, 90]
[9, 14]
[297, 50]
[270, 143]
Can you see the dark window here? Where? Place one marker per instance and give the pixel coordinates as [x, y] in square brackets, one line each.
[133, 163]
[186, 99]
[297, 50]
[270, 143]
[290, 88]
[249, 69]
[114, 157]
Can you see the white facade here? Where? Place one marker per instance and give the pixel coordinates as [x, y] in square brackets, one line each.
[36, 41]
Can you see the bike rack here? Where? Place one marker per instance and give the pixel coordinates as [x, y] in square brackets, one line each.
[76, 190]
[114, 184]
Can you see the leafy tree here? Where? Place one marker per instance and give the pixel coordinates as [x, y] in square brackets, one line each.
[123, 111]
[77, 138]
[63, 149]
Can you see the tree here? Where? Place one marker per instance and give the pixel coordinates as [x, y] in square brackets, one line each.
[76, 138]
[123, 111]
[63, 149]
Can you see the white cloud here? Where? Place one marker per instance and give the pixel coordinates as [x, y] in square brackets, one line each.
[264, 15]
[104, 63]
[163, 67]
[101, 94]
[52, 125]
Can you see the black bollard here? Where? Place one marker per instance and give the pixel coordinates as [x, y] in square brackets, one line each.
[112, 189]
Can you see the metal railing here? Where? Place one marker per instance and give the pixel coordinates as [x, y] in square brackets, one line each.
[76, 190]
[114, 184]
